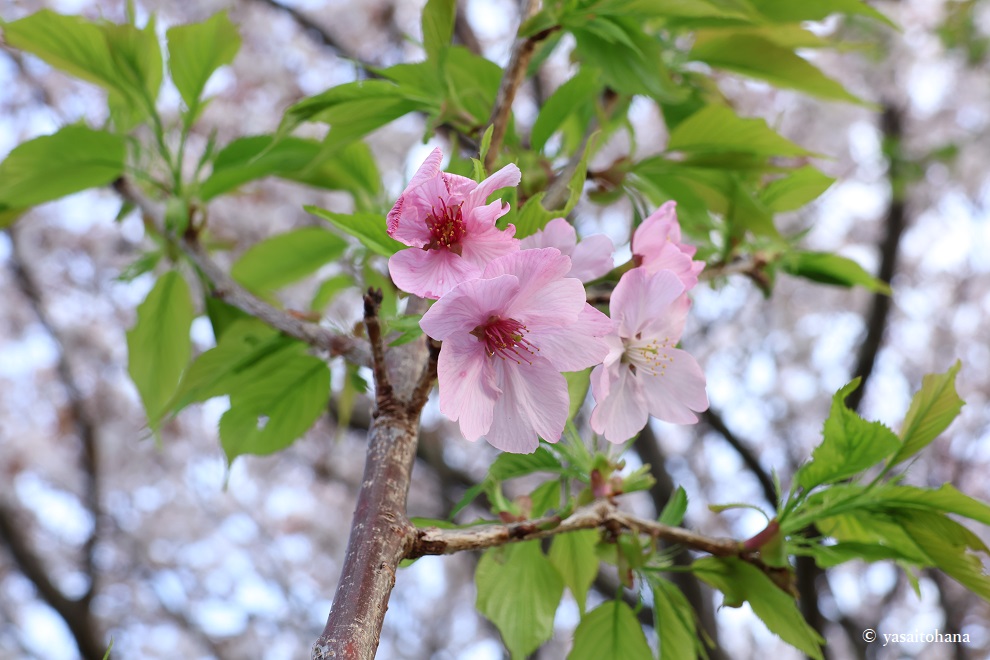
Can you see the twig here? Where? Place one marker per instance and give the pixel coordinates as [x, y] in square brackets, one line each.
[599, 515]
[717, 424]
[515, 72]
[383, 386]
[225, 288]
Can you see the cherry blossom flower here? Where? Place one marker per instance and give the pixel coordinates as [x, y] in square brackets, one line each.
[644, 374]
[450, 228]
[590, 259]
[656, 246]
[506, 338]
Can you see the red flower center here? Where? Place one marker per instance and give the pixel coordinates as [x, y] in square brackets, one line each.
[506, 338]
[446, 225]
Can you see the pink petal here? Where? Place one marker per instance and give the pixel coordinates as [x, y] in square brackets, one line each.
[558, 233]
[468, 305]
[429, 273]
[620, 410]
[573, 346]
[403, 208]
[655, 230]
[543, 291]
[592, 258]
[534, 404]
[482, 247]
[671, 257]
[640, 298]
[507, 177]
[428, 170]
[482, 218]
[467, 385]
[407, 219]
[677, 390]
[458, 186]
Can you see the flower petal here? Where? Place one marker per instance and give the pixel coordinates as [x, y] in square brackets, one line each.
[592, 258]
[468, 305]
[640, 298]
[573, 346]
[467, 385]
[677, 390]
[620, 411]
[429, 273]
[545, 291]
[482, 246]
[507, 177]
[533, 405]
[557, 233]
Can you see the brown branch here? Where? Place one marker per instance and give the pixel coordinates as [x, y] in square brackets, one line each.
[75, 613]
[383, 386]
[515, 72]
[225, 288]
[714, 420]
[381, 535]
[598, 515]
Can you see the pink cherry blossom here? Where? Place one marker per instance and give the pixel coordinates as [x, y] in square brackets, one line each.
[506, 337]
[590, 259]
[450, 228]
[656, 246]
[644, 374]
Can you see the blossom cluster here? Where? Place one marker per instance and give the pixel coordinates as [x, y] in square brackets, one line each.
[513, 315]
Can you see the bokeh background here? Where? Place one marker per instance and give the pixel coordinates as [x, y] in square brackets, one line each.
[189, 561]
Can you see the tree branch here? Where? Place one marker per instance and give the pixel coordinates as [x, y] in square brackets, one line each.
[598, 515]
[515, 72]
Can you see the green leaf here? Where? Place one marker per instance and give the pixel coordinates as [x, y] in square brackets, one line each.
[471, 84]
[509, 466]
[268, 413]
[828, 556]
[828, 268]
[233, 361]
[788, 11]
[349, 167]
[222, 315]
[717, 128]
[945, 499]
[368, 228]
[574, 556]
[119, 58]
[741, 581]
[674, 622]
[578, 383]
[947, 543]
[286, 258]
[610, 632]
[158, 346]
[850, 445]
[675, 508]
[763, 59]
[195, 51]
[796, 189]
[518, 591]
[667, 9]
[352, 109]
[532, 217]
[570, 96]
[52, 166]
[438, 26]
[932, 410]
[329, 289]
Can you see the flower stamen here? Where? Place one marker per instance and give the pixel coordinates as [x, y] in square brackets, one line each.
[505, 338]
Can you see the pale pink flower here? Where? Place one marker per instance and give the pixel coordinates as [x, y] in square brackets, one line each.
[590, 259]
[656, 246]
[506, 338]
[450, 227]
[644, 374]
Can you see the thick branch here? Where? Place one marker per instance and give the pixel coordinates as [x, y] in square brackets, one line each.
[381, 535]
[599, 515]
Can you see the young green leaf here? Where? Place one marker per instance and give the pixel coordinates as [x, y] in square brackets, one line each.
[932, 410]
[574, 556]
[286, 258]
[674, 622]
[438, 26]
[563, 102]
[269, 412]
[828, 268]
[578, 384]
[610, 632]
[717, 128]
[675, 508]
[850, 445]
[518, 591]
[763, 59]
[788, 11]
[52, 166]
[741, 581]
[796, 189]
[368, 228]
[158, 346]
[195, 51]
[947, 543]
